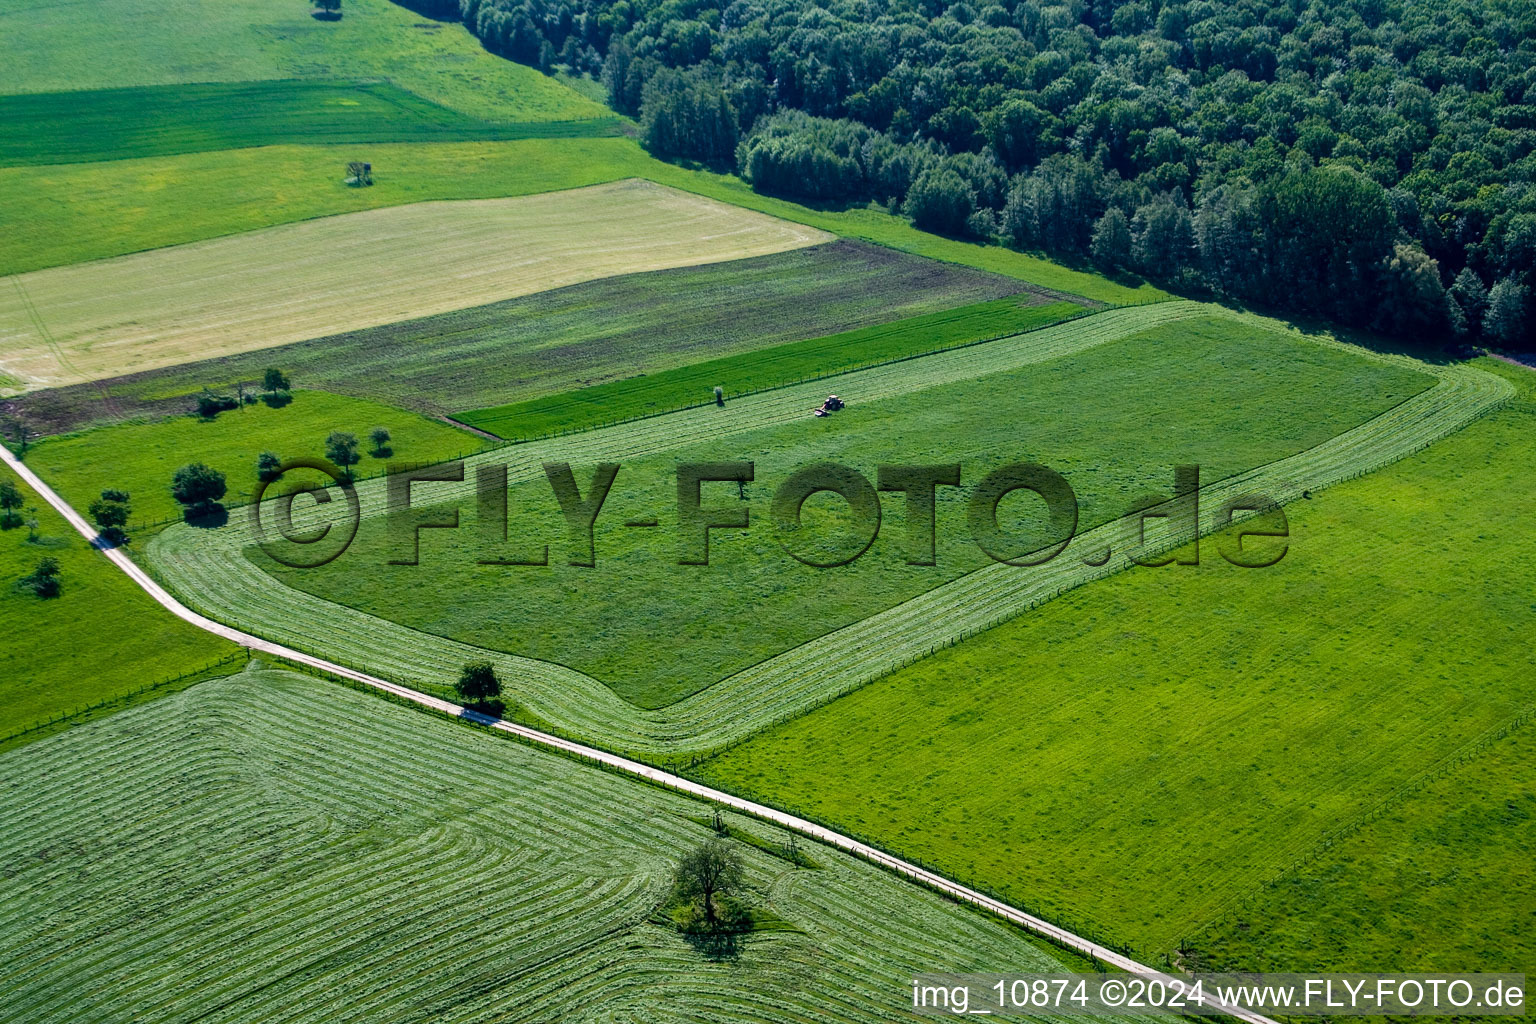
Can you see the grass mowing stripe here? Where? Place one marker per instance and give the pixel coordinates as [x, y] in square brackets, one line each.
[1258, 731]
[208, 569]
[119, 124]
[792, 363]
[556, 340]
[1245, 397]
[240, 908]
[98, 642]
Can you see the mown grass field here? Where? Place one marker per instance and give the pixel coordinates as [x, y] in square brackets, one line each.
[119, 124]
[50, 47]
[766, 368]
[65, 214]
[267, 847]
[289, 283]
[1226, 395]
[554, 341]
[100, 639]
[1175, 738]
[141, 457]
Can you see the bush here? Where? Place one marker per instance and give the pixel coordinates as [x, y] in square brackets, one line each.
[44, 581]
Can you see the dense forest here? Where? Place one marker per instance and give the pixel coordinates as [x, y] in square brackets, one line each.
[1367, 160]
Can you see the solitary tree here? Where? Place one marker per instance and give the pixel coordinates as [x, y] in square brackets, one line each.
[359, 173]
[275, 380]
[44, 580]
[341, 448]
[712, 870]
[10, 500]
[110, 514]
[380, 438]
[477, 683]
[327, 10]
[198, 488]
[268, 467]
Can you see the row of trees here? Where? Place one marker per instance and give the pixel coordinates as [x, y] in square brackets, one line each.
[1233, 139]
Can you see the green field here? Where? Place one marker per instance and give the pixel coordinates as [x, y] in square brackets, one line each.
[766, 368]
[1139, 756]
[141, 457]
[267, 847]
[1440, 881]
[50, 47]
[66, 214]
[101, 639]
[1224, 395]
[554, 341]
[118, 124]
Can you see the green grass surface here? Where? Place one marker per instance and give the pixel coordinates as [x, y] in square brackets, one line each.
[1441, 881]
[807, 676]
[554, 341]
[1222, 395]
[765, 368]
[117, 124]
[141, 457]
[1139, 756]
[267, 847]
[100, 639]
[50, 47]
[65, 214]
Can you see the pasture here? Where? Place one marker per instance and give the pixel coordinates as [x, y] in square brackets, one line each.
[50, 47]
[1176, 738]
[101, 639]
[66, 214]
[790, 363]
[553, 341]
[268, 847]
[257, 290]
[1442, 879]
[119, 124]
[141, 457]
[1227, 395]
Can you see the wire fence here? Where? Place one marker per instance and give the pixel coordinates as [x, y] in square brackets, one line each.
[60, 717]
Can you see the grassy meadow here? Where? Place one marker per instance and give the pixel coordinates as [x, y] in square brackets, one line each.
[693, 384]
[48, 47]
[65, 214]
[1441, 880]
[269, 847]
[79, 323]
[1139, 757]
[1227, 396]
[554, 341]
[98, 641]
[119, 124]
[141, 457]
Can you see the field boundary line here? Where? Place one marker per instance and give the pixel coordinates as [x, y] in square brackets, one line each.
[766, 388]
[667, 780]
[209, 567]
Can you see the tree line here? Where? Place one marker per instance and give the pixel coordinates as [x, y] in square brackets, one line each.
[1367, 160]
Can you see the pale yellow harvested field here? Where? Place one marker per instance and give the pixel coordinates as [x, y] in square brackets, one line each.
[70, 324]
